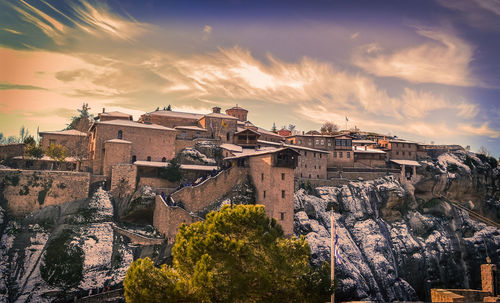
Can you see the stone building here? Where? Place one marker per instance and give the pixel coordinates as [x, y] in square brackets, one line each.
[219, 126]
[237, 112]
[368, 157]
[272, 173]
[399, 149]
[284, 132]
[108, 116]
[8, 151]
[134, 141]
[190, 132]
[339, 146]
[75, 142]
[312, 162]
[171, 119]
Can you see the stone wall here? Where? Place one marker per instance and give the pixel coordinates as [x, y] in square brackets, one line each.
[357, 175]
[182, 144]
[138, 239]
[275, 189]
[321, 182]
[167, 219]
[11, 150]
[157, 183]
[30, 190]
[196, 198]
[117, 152]
[443, 295]
[123, 179]
[311, 165]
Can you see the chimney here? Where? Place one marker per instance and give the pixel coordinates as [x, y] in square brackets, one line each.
[216, 109]
[103, 110]
[488, 277]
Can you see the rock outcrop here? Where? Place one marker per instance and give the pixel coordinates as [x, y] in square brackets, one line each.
[393, 246]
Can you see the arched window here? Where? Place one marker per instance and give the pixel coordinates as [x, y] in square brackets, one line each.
[134, 158]
[120, 134]
[149, 158]
[227, 136]
[163, 159]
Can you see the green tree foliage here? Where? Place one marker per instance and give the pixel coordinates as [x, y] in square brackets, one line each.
[237, 254]
[56, 152]
[82, 121]
[32, 149]
[172, 172]
[62, 263]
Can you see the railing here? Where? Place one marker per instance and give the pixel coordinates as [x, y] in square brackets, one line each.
[472, 213]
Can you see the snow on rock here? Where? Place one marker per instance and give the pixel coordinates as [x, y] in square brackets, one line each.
[397, 260]
[196, 156]
[101, 202]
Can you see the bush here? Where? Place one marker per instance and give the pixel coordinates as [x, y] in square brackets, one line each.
[62, 263]
[172, 172]
[452, 168]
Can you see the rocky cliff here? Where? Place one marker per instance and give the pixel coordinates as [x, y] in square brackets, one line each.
[396, 241]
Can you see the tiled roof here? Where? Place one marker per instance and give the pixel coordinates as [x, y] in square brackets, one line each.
[68, 132]
[135, 124]
[169, 113]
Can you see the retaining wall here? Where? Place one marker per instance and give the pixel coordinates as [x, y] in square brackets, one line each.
[167, 219]
[138, 239]
[198, 197]
[30, 190]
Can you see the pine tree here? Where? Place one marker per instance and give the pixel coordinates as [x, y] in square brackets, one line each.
[237, 254]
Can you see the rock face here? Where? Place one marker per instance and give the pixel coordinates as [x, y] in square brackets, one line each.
[390, 246]
[26, 243]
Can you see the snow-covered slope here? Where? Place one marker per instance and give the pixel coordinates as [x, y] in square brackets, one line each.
[391, 247]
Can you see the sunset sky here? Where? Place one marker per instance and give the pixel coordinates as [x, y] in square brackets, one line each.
[422, 70]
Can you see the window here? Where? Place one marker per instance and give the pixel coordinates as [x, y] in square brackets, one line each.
[305, 153]
[264, 194]
[310, 142]
[320, 156]
[282, 176]
[197, 134]
[320, 167]
[300, 142]
[403, 153]
[282, 194]
[309, 176]
[314, 155]
[335, 154]
[329, 143]
[282, 216]
[397, 153]
[348, 155]
[183, 134]
[262, 177]
[314, 166]
[134, 158]
[120, 134]
[322, 142]
[301, 175]
[149, 158]
[163, 159]
[340, 155]
[409, 153]
[227, 136]
[318, 176]
[305, 165]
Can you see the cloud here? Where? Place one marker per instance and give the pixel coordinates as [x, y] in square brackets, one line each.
[444, 59]
[5, 86]
[207, 30]
[476, 13]
[467, 110]
[12, 31]
[483, 130]
[355, 35]
[82, 20]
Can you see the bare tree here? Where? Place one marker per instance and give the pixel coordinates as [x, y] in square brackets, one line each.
[329, 128]
[291, 127]
[484, 151]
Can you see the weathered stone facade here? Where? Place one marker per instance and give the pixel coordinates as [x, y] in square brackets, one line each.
[167, 219]
[123, 179]
[149, 142]
[117, 152]
[75, 142]
[11, 150]
[27, 191]
[275, 188]
[237, 112]
[399, 149]
[312, 164]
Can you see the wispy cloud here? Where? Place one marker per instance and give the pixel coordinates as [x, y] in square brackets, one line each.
[483, 130]
[444, 59]
[12, 31]
[5, 86]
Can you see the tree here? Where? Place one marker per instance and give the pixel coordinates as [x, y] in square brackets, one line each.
[484, 151]
[23, 134]
[274, 129]
[329, 128]
[32, 149]
[291, 127]
[172, 172]
[169, 108]
[237, 254]
[57, 152]
[82, 121]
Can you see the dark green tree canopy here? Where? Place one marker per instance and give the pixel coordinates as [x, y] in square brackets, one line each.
[237, 254]
[83, 120]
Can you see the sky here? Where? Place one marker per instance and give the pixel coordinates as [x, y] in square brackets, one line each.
[427, 71]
